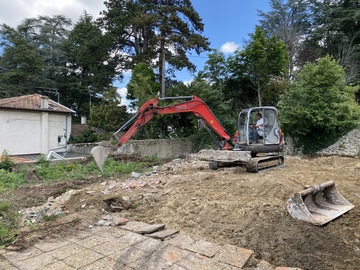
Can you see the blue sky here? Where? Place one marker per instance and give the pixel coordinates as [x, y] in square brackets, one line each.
[227, 22]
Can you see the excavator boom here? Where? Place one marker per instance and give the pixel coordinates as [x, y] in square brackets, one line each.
[149, 110]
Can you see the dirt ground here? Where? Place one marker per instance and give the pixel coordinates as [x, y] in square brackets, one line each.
[231, 206]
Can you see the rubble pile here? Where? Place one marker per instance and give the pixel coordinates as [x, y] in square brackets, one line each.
[152, 180]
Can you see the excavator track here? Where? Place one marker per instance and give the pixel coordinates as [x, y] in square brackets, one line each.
[266, 163]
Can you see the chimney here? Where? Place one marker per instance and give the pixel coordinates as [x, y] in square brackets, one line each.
[44, 102]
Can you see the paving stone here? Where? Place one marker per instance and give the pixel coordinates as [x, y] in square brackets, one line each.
[115, 246]
[172, 254]
[163, 234]
[204, 248]
[133, 225]
[150, 245]
[150, 262]
[15, 256]
[129, 255]
[65, 251]
[150, 229]
[180, 240]
[103, 264]
[92, 241]
[88, 256]
[36, 262]
[233, 255]
[57, 266]
[196, 261]
[264, 265]
[51, 245]
[224, 266]
[6, 265]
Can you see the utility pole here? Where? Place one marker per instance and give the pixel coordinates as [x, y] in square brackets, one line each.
[163, 72]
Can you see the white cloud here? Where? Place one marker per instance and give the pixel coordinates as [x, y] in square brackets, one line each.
[123, 92]
[229, 47]
[14, 12]
[188, 82]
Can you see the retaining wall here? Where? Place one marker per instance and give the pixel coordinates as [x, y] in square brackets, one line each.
[161, 148]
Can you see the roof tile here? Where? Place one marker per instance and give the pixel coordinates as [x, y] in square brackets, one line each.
[32, 102]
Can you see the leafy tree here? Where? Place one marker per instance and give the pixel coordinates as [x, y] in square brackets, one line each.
[109, 114]
[337, 33]
[149, 31]
[319, 107]
[49, 34]
[216, 69]
[142, 85]
[290, 22]
[261, 60]
[21, 64]
[90, 70]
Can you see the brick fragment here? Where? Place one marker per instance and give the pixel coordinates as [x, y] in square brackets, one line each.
[120, 221]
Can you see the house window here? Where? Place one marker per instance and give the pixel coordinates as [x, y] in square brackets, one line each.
[59, 139]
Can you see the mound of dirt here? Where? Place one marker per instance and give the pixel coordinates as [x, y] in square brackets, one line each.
[231, 206]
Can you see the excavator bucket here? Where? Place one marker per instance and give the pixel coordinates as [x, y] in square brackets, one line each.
[100, 154]
[318, 204]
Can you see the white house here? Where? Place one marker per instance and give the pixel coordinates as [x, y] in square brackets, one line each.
[33, 124]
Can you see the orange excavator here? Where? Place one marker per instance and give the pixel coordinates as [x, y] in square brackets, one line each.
[262, 154]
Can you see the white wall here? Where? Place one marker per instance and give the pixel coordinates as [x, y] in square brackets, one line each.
[27, 132]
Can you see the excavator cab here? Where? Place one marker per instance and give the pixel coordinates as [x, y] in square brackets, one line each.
[269, 136]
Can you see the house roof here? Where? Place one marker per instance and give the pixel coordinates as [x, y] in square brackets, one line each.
[35, 102]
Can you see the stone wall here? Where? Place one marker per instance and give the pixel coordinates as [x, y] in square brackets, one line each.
[161, 148]
[348, 145]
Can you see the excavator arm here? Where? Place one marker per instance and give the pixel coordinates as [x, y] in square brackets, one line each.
[149, 110]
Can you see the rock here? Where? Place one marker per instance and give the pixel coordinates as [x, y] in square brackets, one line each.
[135, 175]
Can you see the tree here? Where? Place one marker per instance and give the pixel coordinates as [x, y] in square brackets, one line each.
[142, 85]
[290, 22]
[216, 69]
[49, 34]
[152, 31]
[337, 33]
[21, 64]
[261, 60]
[109, 114]
[319, 107]
[89, 67]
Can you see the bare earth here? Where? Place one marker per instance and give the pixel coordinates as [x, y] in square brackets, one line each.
[231, 206]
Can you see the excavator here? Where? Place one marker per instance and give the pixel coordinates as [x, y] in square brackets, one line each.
[318, 204]
[263, 154]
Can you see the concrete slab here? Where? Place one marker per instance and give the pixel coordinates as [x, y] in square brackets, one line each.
[48, 245]
[133, 225]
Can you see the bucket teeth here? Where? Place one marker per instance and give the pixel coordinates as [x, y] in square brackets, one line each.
[318, 204]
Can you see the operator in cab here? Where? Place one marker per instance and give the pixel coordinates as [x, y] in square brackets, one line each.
[257, 129]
